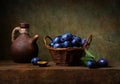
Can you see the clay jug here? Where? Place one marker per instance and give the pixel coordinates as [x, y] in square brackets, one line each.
[23, 47]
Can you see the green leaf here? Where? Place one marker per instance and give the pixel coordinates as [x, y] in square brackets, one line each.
[89, 54]
[87, 57]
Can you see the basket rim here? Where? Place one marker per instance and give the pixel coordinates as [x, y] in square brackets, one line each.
[69, 48]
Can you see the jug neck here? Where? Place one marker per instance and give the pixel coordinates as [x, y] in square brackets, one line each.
[24, 28]
[24, 31]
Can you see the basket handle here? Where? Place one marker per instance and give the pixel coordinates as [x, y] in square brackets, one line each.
[45, 38]
[89, 40]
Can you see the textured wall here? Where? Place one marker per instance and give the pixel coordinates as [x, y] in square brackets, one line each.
[53, 17]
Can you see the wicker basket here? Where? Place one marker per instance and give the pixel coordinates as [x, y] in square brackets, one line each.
[67, 56]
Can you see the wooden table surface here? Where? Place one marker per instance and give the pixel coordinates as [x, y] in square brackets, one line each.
[16, 73]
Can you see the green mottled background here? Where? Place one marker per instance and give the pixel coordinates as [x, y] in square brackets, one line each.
[53, 17]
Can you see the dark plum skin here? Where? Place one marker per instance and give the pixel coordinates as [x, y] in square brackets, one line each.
[57, 45]
[35, 60]
[66, 44]
[76, 41]
[91, 64]
[83, 41]
[66, 37]
[57, 39]
[102, 62]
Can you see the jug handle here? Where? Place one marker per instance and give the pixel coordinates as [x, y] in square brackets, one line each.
[16, 29]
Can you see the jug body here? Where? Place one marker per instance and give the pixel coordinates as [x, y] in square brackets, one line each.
[23, 48]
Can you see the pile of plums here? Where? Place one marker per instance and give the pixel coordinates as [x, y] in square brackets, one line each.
[67, 40]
